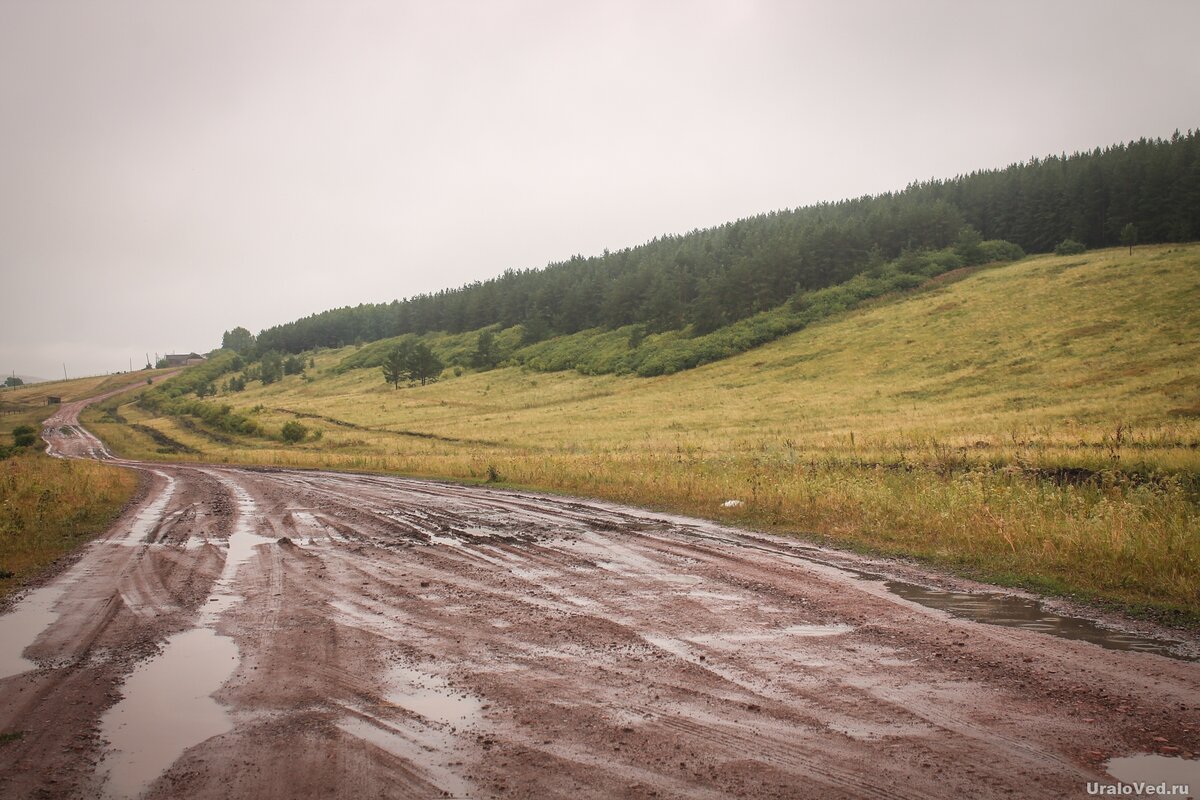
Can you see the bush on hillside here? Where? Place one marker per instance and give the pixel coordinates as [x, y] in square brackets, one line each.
[1000, 250]
[293, 432]
[24, 436]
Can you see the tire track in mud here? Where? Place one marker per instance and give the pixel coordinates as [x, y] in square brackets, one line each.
[157, 719]
[360, 635]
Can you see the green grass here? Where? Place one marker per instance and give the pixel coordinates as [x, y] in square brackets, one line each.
[1035, 423]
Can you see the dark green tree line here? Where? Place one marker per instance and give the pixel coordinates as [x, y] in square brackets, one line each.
[714, 277]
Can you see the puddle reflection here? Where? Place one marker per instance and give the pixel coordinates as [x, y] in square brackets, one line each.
[167, 707]
[1019, 612]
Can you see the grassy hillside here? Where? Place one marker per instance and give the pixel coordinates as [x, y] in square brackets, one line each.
[1037, 423]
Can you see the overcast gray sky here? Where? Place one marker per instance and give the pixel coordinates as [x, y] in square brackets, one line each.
[170, 169]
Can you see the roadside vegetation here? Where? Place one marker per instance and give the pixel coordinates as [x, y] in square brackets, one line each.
[1035, 424]
[48, 506]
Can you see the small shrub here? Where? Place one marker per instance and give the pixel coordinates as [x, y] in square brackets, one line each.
[1069, 247]
[24, 436]
[293, 432]
[493, 474]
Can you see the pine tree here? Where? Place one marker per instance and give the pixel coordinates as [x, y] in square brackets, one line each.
[423, 365]
[395, 366]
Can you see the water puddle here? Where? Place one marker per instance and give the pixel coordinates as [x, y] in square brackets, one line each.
[21, 627]
[534, 575]
[1153, 770]
[242, 542]
[430, 697]
[1020, 612]
[835, 629]
[722, 596]
[167, 706]
[988, 607]
[448, 541]
[429, 740]
[315, 530]
[355, 615]
[150, 516]
[769, 635]
[421, 746]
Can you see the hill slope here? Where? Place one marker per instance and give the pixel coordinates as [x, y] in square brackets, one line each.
[1038, 422]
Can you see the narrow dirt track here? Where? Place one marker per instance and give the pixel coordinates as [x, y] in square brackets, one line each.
[287, 634]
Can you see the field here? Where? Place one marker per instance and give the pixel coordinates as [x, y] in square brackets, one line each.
[1036, 424]
[48, 506]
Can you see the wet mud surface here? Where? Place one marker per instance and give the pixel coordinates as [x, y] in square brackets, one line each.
[283, 634]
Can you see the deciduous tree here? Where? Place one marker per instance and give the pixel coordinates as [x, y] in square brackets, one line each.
[1129, 236]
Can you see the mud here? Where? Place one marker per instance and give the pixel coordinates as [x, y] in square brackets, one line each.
[332, 635]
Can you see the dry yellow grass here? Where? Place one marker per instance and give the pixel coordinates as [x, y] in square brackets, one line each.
[48, 507]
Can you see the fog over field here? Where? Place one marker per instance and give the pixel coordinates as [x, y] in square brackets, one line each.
[169, 171]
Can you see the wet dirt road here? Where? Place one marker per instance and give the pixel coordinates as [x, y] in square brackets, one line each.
[286, 634]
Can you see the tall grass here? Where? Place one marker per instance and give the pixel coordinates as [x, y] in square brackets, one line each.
[50, 506]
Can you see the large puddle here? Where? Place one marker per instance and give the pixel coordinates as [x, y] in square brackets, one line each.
[167, 706]
[1152, 770]
[21, 627]
[1020, 612]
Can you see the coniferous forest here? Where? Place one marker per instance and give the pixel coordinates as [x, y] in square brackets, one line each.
[706, 279]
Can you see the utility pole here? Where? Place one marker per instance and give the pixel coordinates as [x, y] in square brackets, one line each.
[64, 370]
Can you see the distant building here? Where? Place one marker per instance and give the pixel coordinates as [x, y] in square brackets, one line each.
[53, 400]
[178, 360]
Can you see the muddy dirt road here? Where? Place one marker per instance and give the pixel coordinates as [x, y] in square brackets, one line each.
[283, 634]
